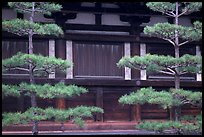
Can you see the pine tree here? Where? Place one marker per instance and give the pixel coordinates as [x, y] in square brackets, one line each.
[39, 65]
[177, 35]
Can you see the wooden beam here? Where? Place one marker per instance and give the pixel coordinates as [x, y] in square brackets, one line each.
[99, 103]
[107, 82]
[97, 27]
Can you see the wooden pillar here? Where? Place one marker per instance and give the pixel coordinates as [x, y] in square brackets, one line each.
[135, 109]
[136, 112]
[60, 52]
[99, 103]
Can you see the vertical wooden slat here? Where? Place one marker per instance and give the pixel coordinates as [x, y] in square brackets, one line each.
[97, 59]
[99, 103]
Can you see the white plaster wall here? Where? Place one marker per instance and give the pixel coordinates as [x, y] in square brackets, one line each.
[185, 21]
[154, 20]
[88, 4]
[83, 18]
[38, 18]
[111, 19]
[109, 5]
[8, 14]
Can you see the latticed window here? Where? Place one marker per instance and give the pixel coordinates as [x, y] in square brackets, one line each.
[97, 60]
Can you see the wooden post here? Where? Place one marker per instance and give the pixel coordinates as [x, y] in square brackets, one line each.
[61, 103]
[99, 103]
[138, 112]
[60, 52]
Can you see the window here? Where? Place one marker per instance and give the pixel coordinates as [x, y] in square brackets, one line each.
[97, 60]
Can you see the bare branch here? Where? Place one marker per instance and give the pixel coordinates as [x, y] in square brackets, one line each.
[183, 73]
[183, 43]
[170, 13]
[172, 42]
[165, 72]
[171, 70]
[18, 68]
[183, 12]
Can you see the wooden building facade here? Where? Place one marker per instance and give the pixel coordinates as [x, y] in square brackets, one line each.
[97, 35]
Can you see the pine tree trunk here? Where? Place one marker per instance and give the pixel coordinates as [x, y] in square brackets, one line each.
[177, 77]
[31, 76]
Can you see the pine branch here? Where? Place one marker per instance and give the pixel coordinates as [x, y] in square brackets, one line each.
[165, 72]
[16, 68]
[172, 42]
[170, 13]
[183, 43]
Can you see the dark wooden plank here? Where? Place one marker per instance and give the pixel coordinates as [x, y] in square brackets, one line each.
[96, 60]
[99, 103]
[97, 27]
[108, 82]
[60, 52]
[135, 50]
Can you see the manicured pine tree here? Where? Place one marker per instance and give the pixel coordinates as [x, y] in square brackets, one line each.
[177, 35]
[39, 65]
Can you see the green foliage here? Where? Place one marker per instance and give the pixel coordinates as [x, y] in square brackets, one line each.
[159, 126]
[161, 6]
[168, 7]
[40, 7]
[190, 7]
[43, 91]
[157, 63]
[175, 126]
[10, 90]
[188, 97]
[148, 95]
[167, 31]
[76, 114]
[39, 62]
[22, 27]
[188, 117]
[166, 99]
